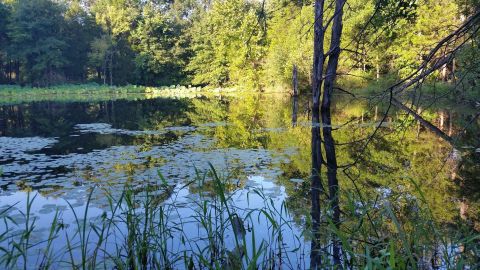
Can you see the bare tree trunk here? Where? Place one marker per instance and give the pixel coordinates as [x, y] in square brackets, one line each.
[295, 96]
[364, 59]
[442, 119]
[444, 73]
[419, 129]
[111, 68]
[10, 71]
[316, 185]
[463, 209]
[99, 75]
[450, 123]
[308, 109]
[329, 143]
[105, 69]
[453, 69]
[17, 71]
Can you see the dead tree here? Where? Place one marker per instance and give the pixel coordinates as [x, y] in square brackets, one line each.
[322, 121]
[295, 95]
[316, 183]
[329, 144]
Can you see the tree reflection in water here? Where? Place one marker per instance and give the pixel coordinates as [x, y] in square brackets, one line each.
[406, 178]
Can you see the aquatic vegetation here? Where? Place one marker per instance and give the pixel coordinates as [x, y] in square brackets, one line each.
[147, 228]
[139, 230]
[14, 94]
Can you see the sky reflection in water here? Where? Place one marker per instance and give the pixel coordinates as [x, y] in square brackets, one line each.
[60, 150]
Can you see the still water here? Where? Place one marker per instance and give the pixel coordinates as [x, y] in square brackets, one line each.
[59, 151]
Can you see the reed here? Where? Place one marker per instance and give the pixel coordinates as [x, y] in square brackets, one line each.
[153, 227]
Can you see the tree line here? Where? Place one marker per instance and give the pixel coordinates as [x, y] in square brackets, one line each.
[216, 42]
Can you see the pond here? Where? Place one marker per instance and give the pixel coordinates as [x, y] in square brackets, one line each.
[81, 155]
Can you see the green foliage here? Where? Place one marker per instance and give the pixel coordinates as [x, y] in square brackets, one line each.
[36, 39]
[469, 68]
[112, 53]
[4, 14]
[116, 17]
[393, 10]
[228, 48]
[161, 48]
[434, 20]
[80, 30]
[100, 49]
[121, 42]
[289, 43]
[4, 17]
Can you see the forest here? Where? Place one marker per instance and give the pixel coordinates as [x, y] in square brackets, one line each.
[219, 43]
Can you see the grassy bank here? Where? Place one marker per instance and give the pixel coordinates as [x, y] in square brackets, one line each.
[139, 231]
[12, 94]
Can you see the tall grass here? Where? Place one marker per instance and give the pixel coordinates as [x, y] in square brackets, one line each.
[155, 227]
[138, 232]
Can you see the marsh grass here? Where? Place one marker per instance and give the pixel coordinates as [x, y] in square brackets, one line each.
[137, 231]
[153, 228]
[14, 94]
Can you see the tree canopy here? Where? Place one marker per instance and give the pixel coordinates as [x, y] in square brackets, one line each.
[219, 42]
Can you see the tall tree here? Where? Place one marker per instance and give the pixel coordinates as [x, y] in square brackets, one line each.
[160, 47]
[433, 21]
[4, 61]
[99, 56]
[35, 33]
[79, 30]
[325, 65]
[228, 48]
[117, 20]
[289, 41]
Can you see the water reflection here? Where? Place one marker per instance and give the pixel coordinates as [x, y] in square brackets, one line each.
[61, 150]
